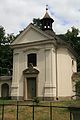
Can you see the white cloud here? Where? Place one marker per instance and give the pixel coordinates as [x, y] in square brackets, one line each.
[17, 14]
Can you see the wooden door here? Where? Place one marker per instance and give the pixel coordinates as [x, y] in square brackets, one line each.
[31, 88]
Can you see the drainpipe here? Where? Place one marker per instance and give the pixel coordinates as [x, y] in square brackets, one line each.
[56, 74]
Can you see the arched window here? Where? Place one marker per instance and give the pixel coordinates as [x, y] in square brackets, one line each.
[32, 58]
[5, 90]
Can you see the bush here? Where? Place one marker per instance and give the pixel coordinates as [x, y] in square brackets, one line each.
[36, 100]
[77, 85]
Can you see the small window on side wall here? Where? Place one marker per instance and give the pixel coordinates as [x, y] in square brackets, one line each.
[72, 62]
[32, 58]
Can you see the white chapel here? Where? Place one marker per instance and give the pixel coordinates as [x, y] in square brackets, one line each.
[43, 64]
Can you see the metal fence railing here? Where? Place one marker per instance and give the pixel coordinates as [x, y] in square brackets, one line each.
[34, 112]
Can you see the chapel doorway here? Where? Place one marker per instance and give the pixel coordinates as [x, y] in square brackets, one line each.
[31, 87]
[5, 90]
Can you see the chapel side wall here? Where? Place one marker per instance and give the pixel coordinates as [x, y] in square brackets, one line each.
[64, 71]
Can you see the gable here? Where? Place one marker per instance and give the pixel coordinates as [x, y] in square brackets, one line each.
[31, 34]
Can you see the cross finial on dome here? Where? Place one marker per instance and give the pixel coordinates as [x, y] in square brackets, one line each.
[46, 7]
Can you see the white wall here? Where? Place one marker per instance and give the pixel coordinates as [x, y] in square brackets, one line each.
[64, 61]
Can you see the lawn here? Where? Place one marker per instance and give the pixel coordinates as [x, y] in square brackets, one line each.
[40, 113]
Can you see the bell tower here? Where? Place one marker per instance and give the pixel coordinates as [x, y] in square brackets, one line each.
[47, 21]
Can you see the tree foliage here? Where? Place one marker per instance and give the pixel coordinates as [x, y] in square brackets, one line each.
[6, 56]
[2, 35]
[77, 85]
[37, 22]
[71, 36]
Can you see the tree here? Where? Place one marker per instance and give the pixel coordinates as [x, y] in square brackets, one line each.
[6, 55]
[77, 85]
[10, 38]
[37, 22]
[2, 35]
[71, 36]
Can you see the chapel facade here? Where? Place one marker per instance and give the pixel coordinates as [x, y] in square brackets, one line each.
[43, 64]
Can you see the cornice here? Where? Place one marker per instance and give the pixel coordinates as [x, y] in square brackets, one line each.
[36, 43]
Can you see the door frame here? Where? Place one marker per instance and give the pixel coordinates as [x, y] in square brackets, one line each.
[30, 72]
[25, 95]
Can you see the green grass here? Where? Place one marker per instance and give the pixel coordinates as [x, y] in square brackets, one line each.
[41, 113]
[7, 101]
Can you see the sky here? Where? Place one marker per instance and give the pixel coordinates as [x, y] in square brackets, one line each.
[15, 15]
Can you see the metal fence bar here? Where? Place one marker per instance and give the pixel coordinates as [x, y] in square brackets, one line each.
[33, 106]
[33, 111]
[70, 116]
[2, 111]
[50, 111]
[17, 111]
